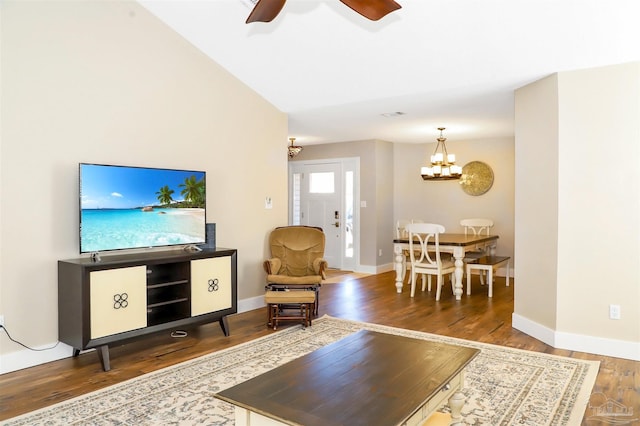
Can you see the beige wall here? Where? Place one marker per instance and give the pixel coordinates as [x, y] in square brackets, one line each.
[385, 201]
[107, 82]
[600, 116]
[588, 203]
[536, 207]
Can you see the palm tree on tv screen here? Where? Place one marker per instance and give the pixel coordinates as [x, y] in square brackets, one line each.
[193, 191]
[165, 195]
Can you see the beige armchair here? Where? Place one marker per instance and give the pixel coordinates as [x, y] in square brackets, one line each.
[296, 261]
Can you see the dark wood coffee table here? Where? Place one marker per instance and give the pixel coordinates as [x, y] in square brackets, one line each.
[367, 378]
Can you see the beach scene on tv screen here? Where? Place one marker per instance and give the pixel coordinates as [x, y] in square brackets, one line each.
[130, 207]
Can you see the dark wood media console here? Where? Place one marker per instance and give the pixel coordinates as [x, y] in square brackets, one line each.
[123, 297]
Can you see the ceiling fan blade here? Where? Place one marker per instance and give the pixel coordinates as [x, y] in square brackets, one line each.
[372, 9]
[265, 10]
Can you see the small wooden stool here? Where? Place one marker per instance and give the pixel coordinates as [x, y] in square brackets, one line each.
[305, 299]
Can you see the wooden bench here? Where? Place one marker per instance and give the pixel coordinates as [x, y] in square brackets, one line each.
[276, 302]
[488, 263]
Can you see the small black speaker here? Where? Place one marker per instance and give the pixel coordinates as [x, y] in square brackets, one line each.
[210, 234]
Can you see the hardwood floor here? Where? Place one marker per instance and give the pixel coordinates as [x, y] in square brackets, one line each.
[371, 299]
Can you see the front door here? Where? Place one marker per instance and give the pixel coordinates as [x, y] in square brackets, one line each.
[323, 193]
[320, 206]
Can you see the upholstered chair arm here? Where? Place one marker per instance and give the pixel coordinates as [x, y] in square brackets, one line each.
[272, 266]
[320, 266]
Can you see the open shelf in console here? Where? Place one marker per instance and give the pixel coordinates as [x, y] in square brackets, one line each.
[168, 292]
[167, 273]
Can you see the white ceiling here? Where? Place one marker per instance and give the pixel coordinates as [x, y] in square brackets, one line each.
[449, 63]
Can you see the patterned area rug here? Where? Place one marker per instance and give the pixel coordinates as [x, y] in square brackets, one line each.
[503, 386]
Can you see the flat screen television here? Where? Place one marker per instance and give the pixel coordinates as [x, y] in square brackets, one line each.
[124, 207]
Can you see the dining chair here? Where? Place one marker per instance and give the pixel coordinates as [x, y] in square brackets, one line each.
[424, 252]
[402, 233]
[477, 227]
[401, 227]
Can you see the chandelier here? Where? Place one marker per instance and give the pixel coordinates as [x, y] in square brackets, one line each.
[294, 150]
[443, 165]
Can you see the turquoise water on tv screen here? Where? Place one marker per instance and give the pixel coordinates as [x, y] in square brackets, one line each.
[113, 229]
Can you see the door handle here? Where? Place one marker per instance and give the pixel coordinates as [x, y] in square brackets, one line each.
[337, 224]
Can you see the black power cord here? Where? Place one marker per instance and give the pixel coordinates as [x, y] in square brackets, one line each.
[23, 345]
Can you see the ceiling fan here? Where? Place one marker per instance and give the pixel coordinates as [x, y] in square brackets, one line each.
[267, 10]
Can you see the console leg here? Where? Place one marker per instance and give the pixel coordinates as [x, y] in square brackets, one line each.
[456, 402]
[76, 352]
[103, 354]
[224, 324]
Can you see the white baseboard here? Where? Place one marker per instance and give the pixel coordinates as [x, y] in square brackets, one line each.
[384, 268]
[577, 342]
[24, 358]
[251, 303]
[375, 269]
[366, 269]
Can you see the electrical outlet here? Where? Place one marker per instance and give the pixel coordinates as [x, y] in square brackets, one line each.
[614, 312]
[380, 252]
[2, 320]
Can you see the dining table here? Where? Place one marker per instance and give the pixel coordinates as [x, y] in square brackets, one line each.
[456, 244]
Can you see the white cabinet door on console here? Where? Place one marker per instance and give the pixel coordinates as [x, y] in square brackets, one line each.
[210, 285]
[118, 300]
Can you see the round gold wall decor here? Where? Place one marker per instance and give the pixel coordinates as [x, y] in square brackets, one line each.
[477, 178]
